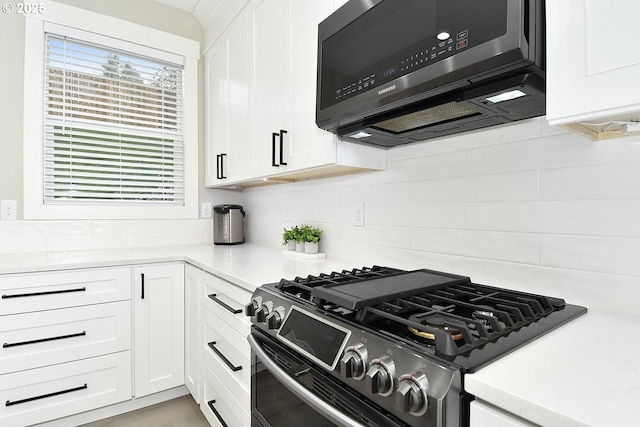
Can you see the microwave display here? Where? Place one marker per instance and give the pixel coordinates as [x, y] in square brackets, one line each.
[370, 53]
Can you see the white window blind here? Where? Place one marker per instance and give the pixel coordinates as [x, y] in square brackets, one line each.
[113, 126]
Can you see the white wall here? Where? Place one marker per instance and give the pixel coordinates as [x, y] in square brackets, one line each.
[526, 206]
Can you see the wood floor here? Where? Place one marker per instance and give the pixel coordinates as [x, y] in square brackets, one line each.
[180, 412]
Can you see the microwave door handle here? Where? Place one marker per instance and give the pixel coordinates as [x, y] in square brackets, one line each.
[328, 411]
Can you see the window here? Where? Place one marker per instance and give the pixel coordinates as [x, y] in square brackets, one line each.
[112, 126]
[117, 134]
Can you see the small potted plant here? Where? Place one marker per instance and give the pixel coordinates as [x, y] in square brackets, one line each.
[289, 238]
[311, 237]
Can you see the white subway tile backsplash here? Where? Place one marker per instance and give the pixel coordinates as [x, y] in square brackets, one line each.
[597, 254]
[447, 215]
[484, 188]
[21, 244]
[548, 152]
[590, 218]
[88, 242]
[54, 236]
[444, 165]
[514, 247]
[595, 182]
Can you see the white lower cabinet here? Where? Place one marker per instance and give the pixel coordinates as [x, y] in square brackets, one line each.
[219, 405]
[192, 329]
[58, 336]
[158, 292]
[66, 343]
[56, 391]
[483, 415]
[225, 355]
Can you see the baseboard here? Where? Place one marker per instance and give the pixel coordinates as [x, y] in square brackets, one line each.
[117, 409]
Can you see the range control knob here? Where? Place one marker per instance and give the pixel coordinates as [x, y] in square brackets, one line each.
[354, 362]
[261, 313]
[274, 319]
[379, 378]
[411, 395]
[250, 309]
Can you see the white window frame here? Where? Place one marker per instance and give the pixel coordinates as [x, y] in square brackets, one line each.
[34, 92]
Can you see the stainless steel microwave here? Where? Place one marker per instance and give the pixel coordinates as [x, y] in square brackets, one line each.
[392, 72]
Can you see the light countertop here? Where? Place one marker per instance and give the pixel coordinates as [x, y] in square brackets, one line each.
[585, 373]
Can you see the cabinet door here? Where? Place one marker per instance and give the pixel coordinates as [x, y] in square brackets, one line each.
[159, 327]
[192, 329]
[310, 146]
[591, 71]
[270, 79]
[227, 121]
[217, 112]
[485, 416]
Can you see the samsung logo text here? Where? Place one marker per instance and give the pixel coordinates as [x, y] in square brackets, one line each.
[387, 89]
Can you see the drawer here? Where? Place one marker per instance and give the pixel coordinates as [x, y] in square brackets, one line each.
[228, 354]
[56, 391]
[218, 404]
[43, 338]
[21, 293]
[227, 301]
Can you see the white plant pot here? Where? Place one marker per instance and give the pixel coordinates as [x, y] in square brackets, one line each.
[291, 245]
[299, 246]
[310, 248]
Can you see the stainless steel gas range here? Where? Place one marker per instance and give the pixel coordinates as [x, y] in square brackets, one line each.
[383, 347]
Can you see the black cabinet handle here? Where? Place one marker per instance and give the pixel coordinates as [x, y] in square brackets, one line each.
[61, 337]
[282, 132]
[225, 305]
[216, 413]
[44, 396]
[141, 285]
[37, 294]
[223, 357]
[273, 149]
[222, 175]
[220, 166]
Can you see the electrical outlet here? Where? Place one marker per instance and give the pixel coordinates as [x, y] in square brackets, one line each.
[286, 213]
[205, 210]
[358, 214]
[8, 209]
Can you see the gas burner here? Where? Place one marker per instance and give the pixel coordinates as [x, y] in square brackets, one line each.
[433, 322]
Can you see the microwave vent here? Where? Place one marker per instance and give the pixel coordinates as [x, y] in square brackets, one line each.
[427, 117]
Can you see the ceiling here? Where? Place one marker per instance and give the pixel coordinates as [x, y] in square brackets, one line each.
[202, 10]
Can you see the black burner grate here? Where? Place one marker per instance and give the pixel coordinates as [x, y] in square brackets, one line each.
[443, 312]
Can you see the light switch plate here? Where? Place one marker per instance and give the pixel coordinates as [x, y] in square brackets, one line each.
[8, 209]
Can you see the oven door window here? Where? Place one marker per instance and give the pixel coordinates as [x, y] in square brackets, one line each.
[273, 405]
[279, 407]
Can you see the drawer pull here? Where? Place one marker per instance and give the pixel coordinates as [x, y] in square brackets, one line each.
[38, 294]
[225, 305]
[44, 396]
[61, 337]
[222, 356]
[216, 413]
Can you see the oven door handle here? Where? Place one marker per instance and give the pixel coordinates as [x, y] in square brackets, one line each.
[328, 411]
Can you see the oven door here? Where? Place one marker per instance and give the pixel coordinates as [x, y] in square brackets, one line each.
[289, 391]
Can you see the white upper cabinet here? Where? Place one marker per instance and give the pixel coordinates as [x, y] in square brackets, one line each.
[228, 149]
[266, 129]
[592, 68]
